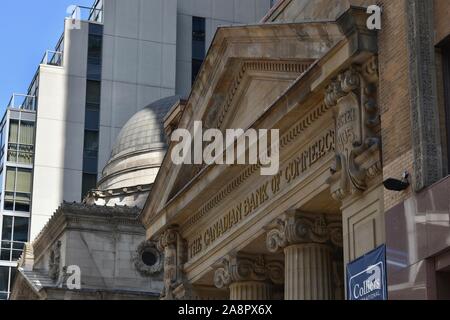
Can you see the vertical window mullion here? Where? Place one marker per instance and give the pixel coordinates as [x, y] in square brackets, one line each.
[15, 193]
[12, 236]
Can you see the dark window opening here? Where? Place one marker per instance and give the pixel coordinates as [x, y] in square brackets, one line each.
[92, 110]
[446, 75]
[89, 183]
[149, 258]
[198, 45]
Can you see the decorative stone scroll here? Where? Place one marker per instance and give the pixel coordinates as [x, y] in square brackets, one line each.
[171, 243]
[353, 97]
[297, 228]
[243, 267]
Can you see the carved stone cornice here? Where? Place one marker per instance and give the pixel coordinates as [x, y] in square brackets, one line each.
[26, 260]
[303, 228]
[353, 97]
[244, 267]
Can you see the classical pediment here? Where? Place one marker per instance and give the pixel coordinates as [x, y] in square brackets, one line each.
[256, 86]
[248, 71]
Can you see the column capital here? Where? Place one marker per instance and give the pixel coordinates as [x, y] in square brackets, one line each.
[244, 267]
[295, 227]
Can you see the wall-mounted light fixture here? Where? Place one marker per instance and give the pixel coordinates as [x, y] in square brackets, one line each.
[397, 185]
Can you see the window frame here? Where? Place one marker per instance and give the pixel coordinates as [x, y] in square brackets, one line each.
[15, 192]
[13, 247]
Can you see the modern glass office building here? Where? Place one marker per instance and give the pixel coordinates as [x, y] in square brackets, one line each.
[16, 171]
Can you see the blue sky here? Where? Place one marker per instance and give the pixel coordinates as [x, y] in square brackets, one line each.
[27, 29]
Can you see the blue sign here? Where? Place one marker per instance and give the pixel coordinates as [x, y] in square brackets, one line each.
[366, 276]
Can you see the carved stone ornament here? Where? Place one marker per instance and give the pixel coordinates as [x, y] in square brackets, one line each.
[171, 243]
[353, 97]
[55, 261]
[146, 269]
[243, 267]
[303, 228]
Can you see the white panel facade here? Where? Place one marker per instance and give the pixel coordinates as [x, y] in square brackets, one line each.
[216, 13]
[138, 62]
[60, 130]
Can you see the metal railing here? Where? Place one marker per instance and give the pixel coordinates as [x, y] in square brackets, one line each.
[53, 58]
[22, 101]
[91, 14]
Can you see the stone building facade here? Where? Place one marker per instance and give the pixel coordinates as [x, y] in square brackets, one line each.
[103, 236]
[354, 108]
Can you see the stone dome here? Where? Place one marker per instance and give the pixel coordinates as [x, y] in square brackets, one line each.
[139, 149]
[144, 131]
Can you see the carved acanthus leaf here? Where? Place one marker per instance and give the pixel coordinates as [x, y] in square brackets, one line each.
[243, 267]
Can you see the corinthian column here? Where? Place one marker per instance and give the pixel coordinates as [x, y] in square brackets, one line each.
[307, 241]
[248, 277]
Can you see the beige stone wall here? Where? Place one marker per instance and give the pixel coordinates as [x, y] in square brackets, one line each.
[442, 19]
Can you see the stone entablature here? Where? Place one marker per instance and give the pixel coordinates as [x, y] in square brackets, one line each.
[311, 155]
[209, 230]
